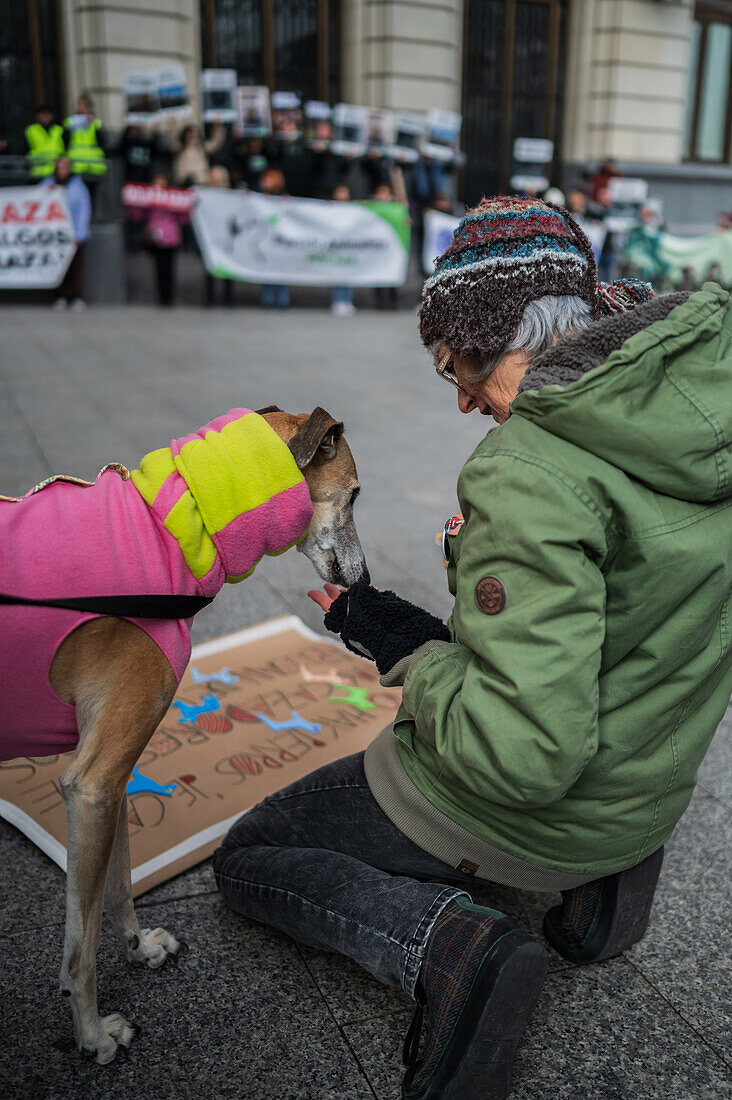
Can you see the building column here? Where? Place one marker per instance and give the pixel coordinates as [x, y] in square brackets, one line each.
[403, 54]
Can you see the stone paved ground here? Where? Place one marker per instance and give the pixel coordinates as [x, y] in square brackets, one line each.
[248, 1013]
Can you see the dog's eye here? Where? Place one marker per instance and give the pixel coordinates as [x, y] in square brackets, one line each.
[354, 494]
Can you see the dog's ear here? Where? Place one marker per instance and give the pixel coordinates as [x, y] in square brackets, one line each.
[268, 409]
[320, 432]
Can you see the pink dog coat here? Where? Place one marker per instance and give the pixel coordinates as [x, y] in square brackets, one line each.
[196, 514]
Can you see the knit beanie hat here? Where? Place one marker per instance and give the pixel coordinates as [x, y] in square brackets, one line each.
[505, 254]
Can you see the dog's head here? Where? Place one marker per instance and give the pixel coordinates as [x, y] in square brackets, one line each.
[320, 450]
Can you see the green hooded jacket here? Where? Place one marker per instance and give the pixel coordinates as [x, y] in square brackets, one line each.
[566, 727]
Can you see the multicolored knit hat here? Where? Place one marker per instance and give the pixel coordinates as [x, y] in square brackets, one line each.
[505, 254]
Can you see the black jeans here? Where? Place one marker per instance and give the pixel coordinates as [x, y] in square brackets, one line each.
[165, 274]
[321, 861]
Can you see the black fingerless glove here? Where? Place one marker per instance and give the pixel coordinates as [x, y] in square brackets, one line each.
[381, 625]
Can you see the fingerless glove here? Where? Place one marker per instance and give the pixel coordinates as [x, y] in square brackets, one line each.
[381, 625]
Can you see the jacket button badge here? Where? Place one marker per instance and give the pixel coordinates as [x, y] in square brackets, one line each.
[490, 595]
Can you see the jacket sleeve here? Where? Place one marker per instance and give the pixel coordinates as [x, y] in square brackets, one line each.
[511, 705]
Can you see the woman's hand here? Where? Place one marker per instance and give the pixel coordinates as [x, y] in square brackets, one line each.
[326, 598]
[378, 625]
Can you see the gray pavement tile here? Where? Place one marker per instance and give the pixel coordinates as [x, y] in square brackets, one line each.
[685, 954]
[32, 887]
[196, 880]
[598, 1033]
[239, 1018]
[352, 994]
[715, 773]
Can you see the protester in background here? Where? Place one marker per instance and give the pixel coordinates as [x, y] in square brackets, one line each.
[272, 182]
[385, 297]
[139, 149]
[191, 161]
[341, 297]
[163, 237]
[607, 171]
[79, 204]
[218, 176]
[84, 141]
[45, 144]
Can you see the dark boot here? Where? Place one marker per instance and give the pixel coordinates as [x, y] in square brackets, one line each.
[603, 918]
[479, 982]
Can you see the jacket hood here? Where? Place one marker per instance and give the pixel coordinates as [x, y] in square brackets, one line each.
[229, 494]
[649, 391]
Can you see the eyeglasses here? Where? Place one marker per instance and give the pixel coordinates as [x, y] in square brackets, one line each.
[446, 369]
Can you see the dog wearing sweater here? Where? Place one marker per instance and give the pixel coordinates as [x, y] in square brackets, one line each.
[196, 514]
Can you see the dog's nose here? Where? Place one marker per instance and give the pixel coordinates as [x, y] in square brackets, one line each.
[365, 575]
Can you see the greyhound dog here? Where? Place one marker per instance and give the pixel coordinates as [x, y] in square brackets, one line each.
[120, 677]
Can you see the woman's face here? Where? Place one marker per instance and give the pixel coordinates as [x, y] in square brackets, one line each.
[492, 396]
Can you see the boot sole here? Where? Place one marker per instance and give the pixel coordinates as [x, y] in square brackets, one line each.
[625, 922]
[478, 1061]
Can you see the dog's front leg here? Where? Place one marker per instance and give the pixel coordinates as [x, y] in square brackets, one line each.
[150, 946]
[91, 812]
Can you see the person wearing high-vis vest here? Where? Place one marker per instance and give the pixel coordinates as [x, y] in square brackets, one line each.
[45, 144]
[84, 142]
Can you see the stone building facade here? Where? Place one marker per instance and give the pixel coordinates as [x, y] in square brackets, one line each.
[646, 82]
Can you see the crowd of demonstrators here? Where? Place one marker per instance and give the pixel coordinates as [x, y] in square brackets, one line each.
[272, 182]
[78, 201]
[218, 176]
[341, 297]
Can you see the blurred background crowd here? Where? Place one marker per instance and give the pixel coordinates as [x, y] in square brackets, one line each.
[620, 110]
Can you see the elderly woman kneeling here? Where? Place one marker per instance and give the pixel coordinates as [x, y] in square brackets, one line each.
[550, 735]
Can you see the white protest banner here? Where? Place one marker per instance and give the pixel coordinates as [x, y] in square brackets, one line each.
[301, 242]
[350, 123]
[254, 115]
[218, 90]
[36, 237]
[438, 231]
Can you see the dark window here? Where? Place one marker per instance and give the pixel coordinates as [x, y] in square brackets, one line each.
[709, 99]
[513, 69]
[29, 67]
[291, 45]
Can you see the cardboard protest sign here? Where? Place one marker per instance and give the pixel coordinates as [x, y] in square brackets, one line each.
[140, 91]
[318, 126]
[36, 237]
[287, 120]
[380, 130]
[350, 124]
[301, 242]
[442, 137]
[254, 712]
[218, 91]
[254, 116]
[408, 134]
[173, 92]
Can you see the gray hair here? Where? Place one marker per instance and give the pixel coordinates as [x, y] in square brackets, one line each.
[542, 322]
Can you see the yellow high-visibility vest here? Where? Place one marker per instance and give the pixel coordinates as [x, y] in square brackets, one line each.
[86, 155]
[44, 149]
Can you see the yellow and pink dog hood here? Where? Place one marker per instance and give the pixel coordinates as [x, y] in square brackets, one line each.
[196, 514]
[230, 491]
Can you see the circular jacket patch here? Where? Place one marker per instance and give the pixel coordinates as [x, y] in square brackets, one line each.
[490, 595]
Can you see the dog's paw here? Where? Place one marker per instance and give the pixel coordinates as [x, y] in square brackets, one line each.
[152, 947]
[113, 1032]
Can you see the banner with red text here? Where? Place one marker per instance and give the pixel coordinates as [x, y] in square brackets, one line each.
[36, 237]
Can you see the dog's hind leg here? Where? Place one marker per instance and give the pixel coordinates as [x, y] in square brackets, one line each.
[121, 686]
[150, 946]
